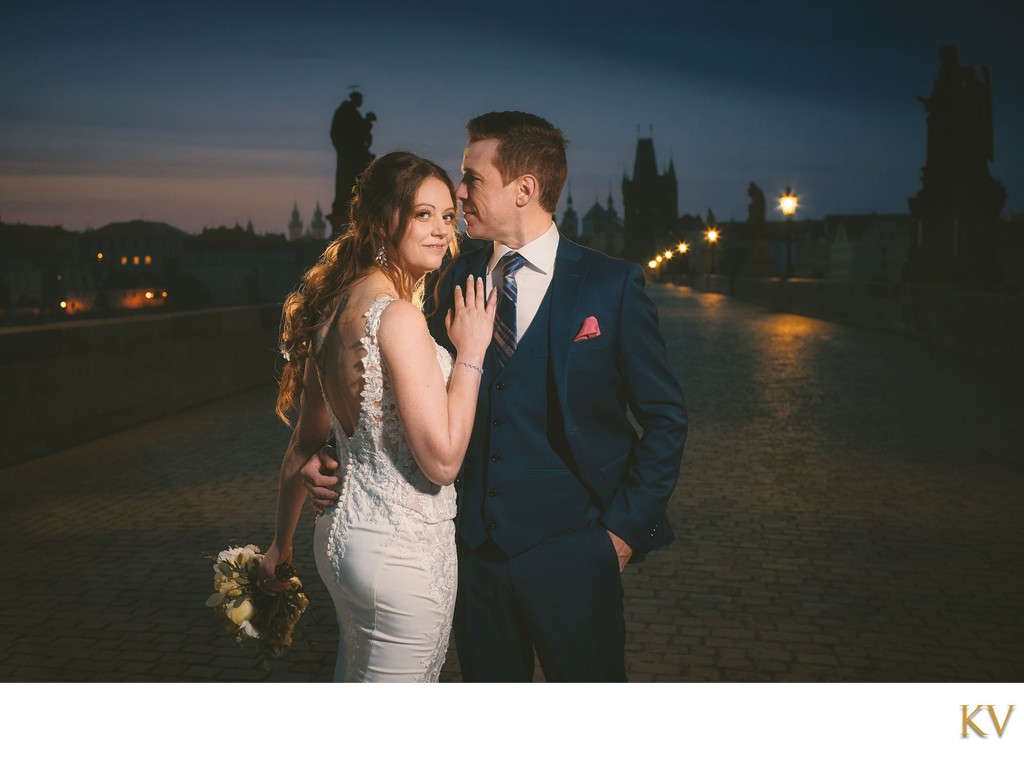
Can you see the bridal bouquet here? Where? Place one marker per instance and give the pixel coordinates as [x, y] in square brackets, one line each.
[266, 620]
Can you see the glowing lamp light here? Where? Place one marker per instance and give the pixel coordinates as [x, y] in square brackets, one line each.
[652, 264]
[788, 203]
[658, 258]
[163, 294]
[682, 247]
[667, 254]
[99, 255]
[711, 236]
[63, 304]
[149, 294]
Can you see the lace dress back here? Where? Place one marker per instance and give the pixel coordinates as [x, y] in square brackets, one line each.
[380, 475]
[389, 512]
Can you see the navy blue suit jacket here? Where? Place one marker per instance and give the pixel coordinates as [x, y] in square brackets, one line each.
[629, 477]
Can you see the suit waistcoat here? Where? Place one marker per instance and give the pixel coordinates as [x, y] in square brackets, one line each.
[518, 482]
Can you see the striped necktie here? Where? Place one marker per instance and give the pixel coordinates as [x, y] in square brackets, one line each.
[505, 317]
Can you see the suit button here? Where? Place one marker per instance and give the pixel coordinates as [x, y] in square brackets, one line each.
[495, 457]
[501, 386]
[493, 492]
[498, 422]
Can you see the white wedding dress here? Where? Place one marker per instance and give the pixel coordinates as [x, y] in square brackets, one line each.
[386, 550]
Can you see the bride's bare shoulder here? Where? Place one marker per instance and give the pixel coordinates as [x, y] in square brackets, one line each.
[401, 319]
[356, 300]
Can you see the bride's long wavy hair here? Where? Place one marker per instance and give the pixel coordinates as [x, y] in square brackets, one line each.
[379, 213]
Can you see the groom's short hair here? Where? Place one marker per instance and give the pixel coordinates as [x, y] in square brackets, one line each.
[528, 144]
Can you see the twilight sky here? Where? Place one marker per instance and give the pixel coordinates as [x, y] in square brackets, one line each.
[212, 113]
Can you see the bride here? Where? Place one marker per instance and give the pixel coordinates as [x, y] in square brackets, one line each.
[402, 412]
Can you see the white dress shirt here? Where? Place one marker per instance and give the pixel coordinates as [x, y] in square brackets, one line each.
[533, 280]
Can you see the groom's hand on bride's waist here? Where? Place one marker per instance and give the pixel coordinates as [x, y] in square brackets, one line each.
[320, 480]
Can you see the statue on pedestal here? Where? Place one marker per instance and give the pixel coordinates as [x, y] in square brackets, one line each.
[351, 137]
[957, 210]
[755, 261]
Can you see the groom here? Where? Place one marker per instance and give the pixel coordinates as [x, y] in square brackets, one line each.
[557, 491]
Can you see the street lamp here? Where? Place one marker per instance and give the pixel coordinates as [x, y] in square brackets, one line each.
[788, 204]
[711, 236]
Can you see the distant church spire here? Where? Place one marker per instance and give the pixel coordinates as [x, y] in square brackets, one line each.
[612, 216]
[295, 224]
[319, 224]
[570, 221]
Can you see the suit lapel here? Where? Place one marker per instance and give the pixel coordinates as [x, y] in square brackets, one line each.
[566, 288]
[474, 262]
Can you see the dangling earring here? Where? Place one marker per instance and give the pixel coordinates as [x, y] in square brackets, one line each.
[382, 257]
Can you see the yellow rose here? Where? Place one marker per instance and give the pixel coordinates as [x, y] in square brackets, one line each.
[239, 613]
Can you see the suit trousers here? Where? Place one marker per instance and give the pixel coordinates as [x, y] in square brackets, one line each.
[561, 598]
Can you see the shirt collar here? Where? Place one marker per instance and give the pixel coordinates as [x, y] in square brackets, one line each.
[539, 252]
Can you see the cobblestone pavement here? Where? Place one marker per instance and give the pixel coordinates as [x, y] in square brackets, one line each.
[850, 509]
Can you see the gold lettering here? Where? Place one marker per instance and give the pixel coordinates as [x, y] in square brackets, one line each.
[969, 722]
[995, 721]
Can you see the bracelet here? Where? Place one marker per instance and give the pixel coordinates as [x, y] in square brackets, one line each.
[472, 366]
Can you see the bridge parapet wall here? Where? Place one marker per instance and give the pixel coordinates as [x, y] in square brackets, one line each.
[62, 385]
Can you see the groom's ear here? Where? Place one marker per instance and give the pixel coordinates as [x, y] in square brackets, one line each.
[527, 189]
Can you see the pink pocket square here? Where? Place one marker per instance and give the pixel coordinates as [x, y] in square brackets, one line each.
[588, 331]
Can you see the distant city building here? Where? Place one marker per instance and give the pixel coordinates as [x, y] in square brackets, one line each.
[36, 266]
[229, 266]
[867, 246]
[601, 228]
[650, 203]
[129, 260]
[49, 273]
[598, 216]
